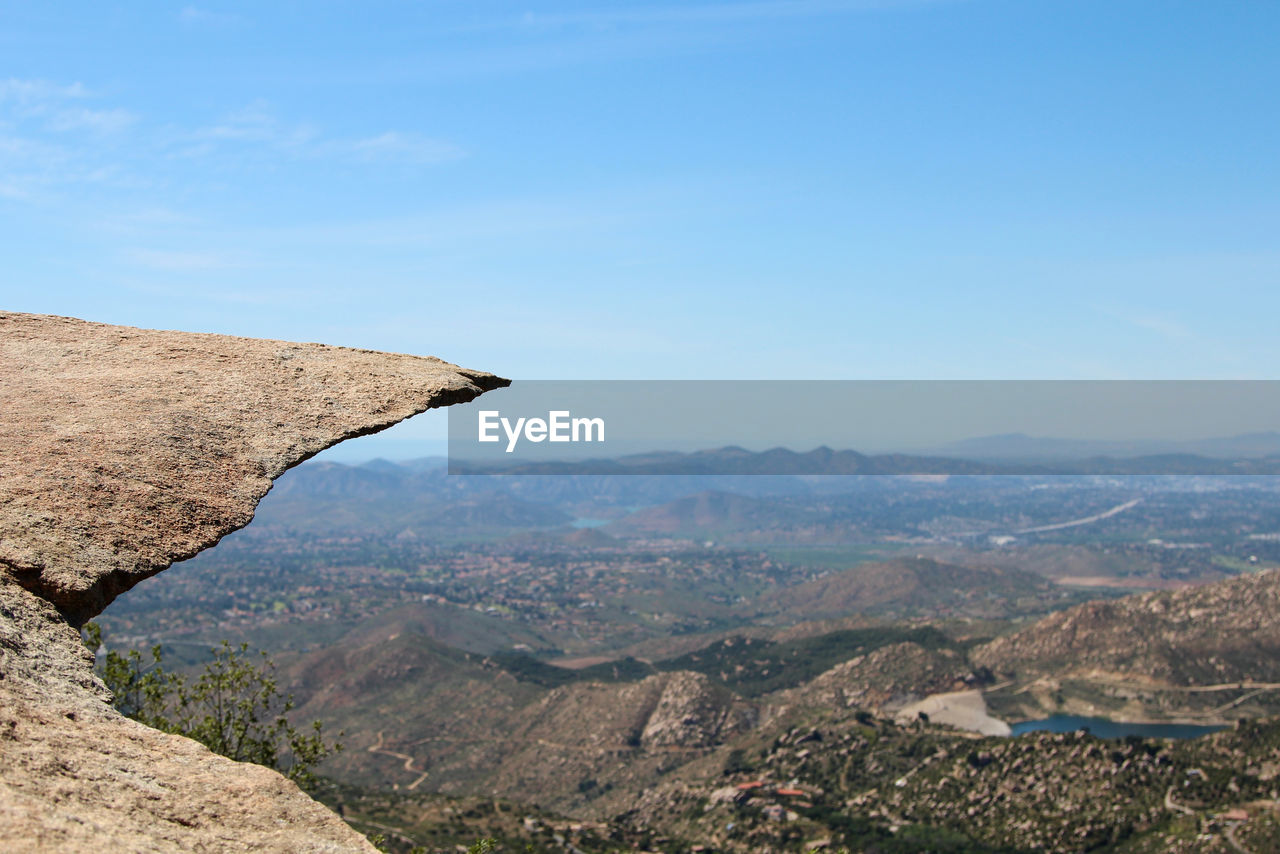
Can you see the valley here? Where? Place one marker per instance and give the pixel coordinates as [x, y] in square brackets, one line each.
[637, 677]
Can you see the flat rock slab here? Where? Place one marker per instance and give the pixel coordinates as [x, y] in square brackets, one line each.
[124, 450]
[121, 451]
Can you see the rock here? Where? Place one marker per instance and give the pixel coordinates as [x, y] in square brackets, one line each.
[76, 776]
[690, 712]
[121, 451]
[727, 795]
[125, 450]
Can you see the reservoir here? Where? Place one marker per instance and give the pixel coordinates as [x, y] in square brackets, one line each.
[1104, 728]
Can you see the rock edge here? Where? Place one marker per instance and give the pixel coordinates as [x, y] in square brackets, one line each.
[122, 451]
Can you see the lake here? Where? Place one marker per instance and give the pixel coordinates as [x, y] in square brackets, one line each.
[1104, 728]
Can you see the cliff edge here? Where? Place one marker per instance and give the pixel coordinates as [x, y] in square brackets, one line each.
[122, 451]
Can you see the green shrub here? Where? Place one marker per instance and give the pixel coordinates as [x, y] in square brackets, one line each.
[234, 707]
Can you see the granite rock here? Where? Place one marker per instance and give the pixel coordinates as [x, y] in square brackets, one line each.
[122, 451]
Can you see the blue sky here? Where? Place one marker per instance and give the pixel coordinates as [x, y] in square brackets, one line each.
[755, 189]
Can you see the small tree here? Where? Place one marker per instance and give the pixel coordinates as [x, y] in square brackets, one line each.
[235, 706]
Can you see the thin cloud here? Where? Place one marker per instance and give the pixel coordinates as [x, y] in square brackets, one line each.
[179, 262]
[56, 135]
[14, 192]
[481, 223]
[56, 107]
[534, 41]
[700, 13]
[1164, 326]
[191, 16]
[35, 91]
[405, 147]
[256, 123]
[96, 121]
[31, 166]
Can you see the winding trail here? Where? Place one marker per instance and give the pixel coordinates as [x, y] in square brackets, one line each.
[1230, 834]
[408, 761]
[1173, 806]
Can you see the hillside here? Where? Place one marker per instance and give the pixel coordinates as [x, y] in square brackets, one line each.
[871, 785]
[1223, 632]
[424, 715]
[636, 744]
[911, 587]
[1208, 651]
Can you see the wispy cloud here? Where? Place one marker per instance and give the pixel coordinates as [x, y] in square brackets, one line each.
[694, 13]
[66, 150]
[479, 223]
[33, 165]
[52, 133]
[520, 43]
[13, 191]
[405, 147]
[193, 16]
[179, 261]
[256, 123]
[58, 107]
[39, 91]
[1162, 325]
[261, 294]
[97, 121]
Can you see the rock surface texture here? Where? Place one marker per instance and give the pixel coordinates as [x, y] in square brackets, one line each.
[121, 451]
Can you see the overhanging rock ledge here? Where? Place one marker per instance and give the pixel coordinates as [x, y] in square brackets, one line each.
[122, 451]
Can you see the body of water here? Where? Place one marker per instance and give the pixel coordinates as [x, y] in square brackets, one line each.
[1104, 728]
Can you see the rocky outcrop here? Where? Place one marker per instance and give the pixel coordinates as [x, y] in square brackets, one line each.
[690, 712]
[882, 680]
[121, 451]
[124, 450]
[1228, 631]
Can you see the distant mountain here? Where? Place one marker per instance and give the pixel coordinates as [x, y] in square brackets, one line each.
[1002, 455]
[738, 461]
[1010, 447]
[404, 486]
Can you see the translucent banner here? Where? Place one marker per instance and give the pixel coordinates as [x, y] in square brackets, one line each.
[814, 427]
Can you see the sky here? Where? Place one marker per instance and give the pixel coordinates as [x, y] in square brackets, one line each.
[742, 189]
